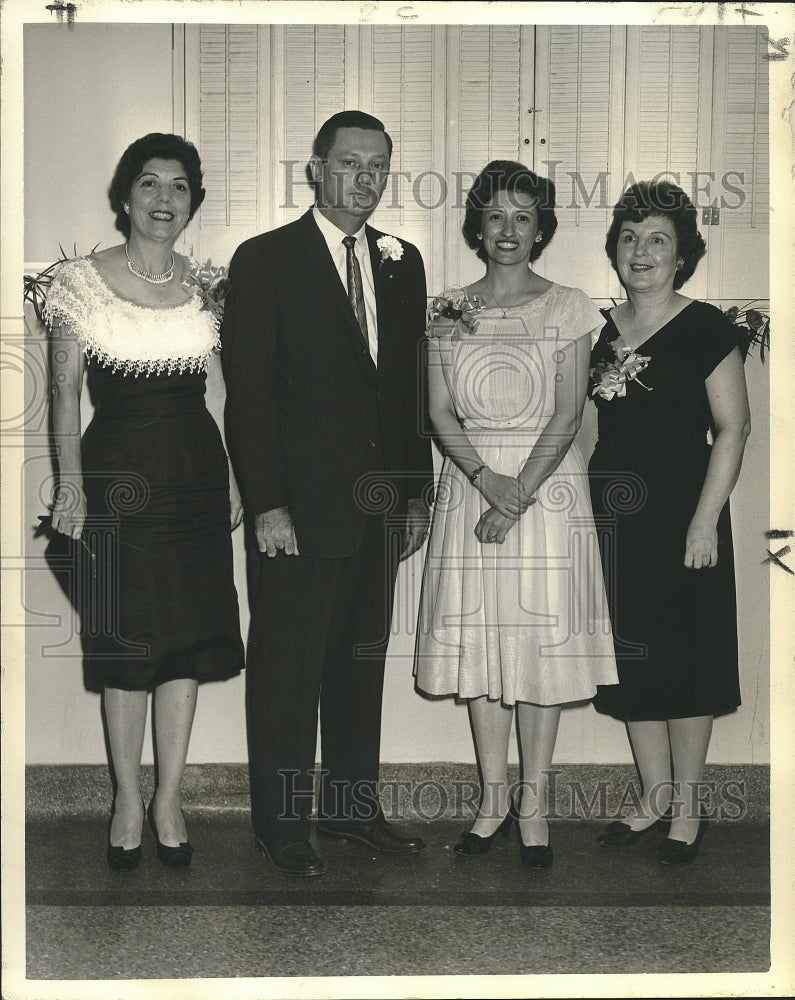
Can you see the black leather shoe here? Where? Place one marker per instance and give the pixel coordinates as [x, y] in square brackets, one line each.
[292, 857]
[536, 856]
[620, 834]
[171, 857]
[377, 834]
[472, 843]
[121, 859]
[677, 852]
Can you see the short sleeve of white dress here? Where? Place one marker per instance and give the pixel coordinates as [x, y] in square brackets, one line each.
[577, 316]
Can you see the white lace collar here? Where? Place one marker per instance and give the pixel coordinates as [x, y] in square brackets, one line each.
[126, 336]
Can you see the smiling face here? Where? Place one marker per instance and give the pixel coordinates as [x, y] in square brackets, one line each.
[646, 254]
[352, 179]
[160, 200]
[508, 227]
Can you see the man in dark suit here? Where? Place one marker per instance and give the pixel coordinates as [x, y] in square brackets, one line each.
[321, 352]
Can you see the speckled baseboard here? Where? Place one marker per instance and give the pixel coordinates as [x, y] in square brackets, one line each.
[412, 791]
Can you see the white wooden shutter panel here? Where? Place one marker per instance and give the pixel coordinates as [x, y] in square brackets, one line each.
[483, 121]
[228, 128]
[745, 130]
[313, 89]
[668, 91]
[579, 80]
[488, 74]
[738, 248]
[402, 66]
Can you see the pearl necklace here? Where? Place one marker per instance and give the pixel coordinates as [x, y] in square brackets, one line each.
[140, 272]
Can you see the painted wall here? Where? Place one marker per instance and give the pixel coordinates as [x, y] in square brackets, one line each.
[78, 119]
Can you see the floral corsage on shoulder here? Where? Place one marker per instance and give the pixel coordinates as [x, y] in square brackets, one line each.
[210, 284]
[452, 314]
[610, 375]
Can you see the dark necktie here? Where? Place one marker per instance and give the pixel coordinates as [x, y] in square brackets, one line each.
[355, 289]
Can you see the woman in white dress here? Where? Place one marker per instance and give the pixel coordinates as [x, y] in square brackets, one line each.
[513, 613]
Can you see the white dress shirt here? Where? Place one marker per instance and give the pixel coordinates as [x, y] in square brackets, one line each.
[334, 237]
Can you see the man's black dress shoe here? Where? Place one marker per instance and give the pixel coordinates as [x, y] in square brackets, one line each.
[677, 852]
[292, 857]
[377, 834]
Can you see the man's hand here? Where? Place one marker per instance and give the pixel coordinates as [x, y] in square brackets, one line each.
[274, 531]
[235, 502]
[418, 520]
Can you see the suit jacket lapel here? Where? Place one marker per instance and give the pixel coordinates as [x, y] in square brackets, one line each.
[326, 272]
[381, 281]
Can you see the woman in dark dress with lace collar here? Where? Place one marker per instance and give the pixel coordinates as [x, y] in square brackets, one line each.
[147, 489]
[666, 370]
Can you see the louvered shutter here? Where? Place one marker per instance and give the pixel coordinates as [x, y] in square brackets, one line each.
[485, 77]
[741, 158]
[669, 82]
[311, 90]
[227, 135]
[578, 117]
[669, 111]
[400, 70]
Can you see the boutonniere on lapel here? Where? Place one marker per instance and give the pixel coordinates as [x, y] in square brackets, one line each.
[390, 247]
[609, 377]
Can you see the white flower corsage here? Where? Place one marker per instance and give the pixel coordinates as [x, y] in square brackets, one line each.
[210, 283]
[453, 313]
[390, 247]
[609, 378]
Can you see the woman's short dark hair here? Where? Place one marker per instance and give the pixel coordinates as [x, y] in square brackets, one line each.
[324, 139]
[164, 146]
[508, 175]
[664, 199]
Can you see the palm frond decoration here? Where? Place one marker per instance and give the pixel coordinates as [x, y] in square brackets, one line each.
[753, 328]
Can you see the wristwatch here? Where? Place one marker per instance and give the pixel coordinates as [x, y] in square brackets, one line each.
[473, 476]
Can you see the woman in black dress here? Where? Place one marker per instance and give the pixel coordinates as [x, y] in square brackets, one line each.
[665, 371]
[147, 490]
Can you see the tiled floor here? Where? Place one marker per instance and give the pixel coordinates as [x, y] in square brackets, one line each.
[597, 910]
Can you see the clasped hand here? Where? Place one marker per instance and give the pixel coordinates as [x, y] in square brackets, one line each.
[508, 496]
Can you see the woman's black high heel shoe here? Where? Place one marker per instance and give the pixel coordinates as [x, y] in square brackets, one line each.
[677, 852]
[620, 834]
[533, 855]
[171, 857]
[472, 843]
[121, 859]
